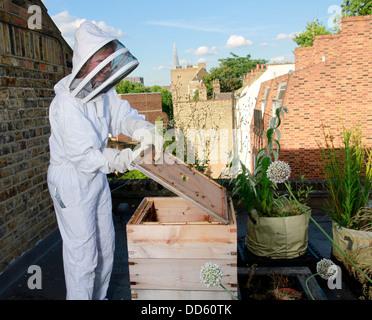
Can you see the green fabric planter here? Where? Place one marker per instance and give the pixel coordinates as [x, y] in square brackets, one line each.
[277, 237]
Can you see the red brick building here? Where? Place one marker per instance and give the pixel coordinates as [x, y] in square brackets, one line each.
[332, 78]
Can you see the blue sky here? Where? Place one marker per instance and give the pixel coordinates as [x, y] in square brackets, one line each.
[203, 31]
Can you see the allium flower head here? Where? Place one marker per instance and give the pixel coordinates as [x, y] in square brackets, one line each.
[211, 274]
[327, 269]
[278, 171]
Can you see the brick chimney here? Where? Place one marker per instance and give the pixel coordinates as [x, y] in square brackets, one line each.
[216, 86]
[202, 91]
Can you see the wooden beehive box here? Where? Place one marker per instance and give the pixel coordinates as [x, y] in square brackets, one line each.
[170, 238]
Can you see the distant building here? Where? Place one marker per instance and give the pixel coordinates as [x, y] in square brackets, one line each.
[176, 61]
[332, 80]
[186, 81]
[246, 102]
[193, 111]
[212, 121]
[135, 79]
[167, 88]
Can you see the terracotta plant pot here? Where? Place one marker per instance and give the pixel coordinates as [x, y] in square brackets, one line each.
[287, 294]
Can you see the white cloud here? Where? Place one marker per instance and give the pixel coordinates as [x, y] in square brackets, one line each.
[70, 40]
[209, 26]
[203, 51]
[168, 67]
[68, 24]
[186, 25]
[238, 41]
[277, 59]
[266, 44]
[111, 30]
[281, 59]
[282, 36]
[184, 62]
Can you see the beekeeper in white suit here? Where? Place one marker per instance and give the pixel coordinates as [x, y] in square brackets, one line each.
[85, 110]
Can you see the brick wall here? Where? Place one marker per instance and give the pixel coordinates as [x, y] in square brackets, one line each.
[332, 78]
[324, 47]
[148, 104]
[31, 62]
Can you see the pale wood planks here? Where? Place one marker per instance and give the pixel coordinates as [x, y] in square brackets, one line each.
[166, 255]
[150, 294]
[178, 274]
[186, 182]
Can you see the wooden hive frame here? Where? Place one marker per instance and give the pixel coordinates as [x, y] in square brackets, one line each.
[169, 240]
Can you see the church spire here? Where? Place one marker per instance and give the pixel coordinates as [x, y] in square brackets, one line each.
[176, 61]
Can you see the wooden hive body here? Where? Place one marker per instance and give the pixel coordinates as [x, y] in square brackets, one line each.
[170, 238]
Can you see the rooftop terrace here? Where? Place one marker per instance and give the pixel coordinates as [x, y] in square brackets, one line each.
[127, 195]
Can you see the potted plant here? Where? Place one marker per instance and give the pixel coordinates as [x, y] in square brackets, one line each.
[347, 167]
[282, 288]
[277, 227]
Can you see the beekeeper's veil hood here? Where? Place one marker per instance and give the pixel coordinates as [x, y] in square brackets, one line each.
[99, 62]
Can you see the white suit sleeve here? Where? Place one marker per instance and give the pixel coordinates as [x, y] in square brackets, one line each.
[80, 142]
[124, 119]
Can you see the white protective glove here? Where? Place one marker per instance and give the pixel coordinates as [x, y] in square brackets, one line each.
[119, 160]
[147, 137]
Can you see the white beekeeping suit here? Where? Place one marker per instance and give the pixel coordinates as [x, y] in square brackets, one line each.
[85, 110]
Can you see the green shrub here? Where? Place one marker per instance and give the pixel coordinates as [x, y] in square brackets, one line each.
[347, 167]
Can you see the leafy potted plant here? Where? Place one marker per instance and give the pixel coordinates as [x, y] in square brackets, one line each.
[277, 227]
[347, 167]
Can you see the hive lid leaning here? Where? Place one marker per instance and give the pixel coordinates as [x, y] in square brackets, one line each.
[186, 182]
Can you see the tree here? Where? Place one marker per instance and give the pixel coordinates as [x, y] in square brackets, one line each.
[230, 72]
[306, 38]
[166, 100]
[356, 8]
[126, 86]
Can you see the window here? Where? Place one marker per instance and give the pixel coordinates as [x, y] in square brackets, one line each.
[264, 100]
[277, 103]
[258, 119]
[281, 91]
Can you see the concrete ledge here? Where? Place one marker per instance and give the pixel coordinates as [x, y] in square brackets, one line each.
[19, 266]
